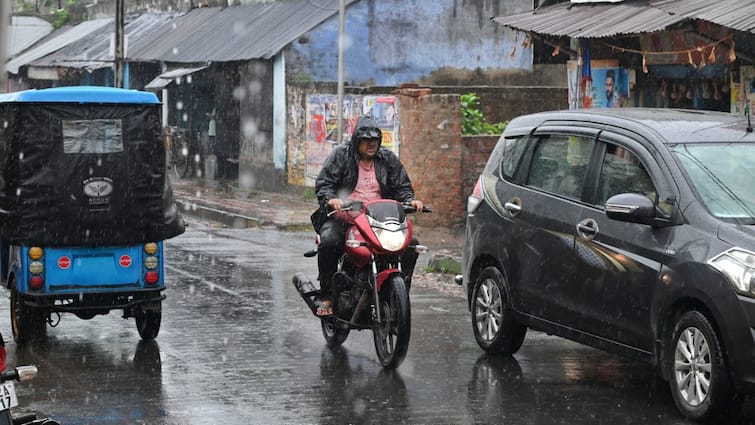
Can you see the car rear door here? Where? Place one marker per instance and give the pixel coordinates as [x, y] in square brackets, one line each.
[543, 209]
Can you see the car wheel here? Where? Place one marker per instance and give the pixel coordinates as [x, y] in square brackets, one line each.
[699, 378]
[495, 328]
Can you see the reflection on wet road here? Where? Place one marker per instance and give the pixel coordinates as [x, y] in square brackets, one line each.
[238, 346]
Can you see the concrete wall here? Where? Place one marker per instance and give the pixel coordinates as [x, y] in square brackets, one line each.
[390, 42]
[255, 128]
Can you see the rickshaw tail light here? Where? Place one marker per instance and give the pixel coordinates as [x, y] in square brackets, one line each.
[36, 267]
[36, 282]
[150, 248]
[151, 277]
[151, 262]
[35, 253]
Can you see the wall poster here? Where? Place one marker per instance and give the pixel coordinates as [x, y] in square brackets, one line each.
[608, 88]
[322, 125]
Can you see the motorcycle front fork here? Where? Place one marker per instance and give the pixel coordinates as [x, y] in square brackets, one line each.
[373, 281]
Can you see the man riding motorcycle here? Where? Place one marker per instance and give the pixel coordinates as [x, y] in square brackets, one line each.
[359, 170]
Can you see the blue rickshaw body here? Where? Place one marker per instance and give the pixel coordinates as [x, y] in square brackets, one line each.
[85, 205]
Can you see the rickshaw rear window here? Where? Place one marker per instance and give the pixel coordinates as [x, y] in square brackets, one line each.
[92, 136]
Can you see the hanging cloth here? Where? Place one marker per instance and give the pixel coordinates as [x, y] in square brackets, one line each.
[586, 84]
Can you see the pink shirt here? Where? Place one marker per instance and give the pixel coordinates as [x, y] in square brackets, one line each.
[367, 187]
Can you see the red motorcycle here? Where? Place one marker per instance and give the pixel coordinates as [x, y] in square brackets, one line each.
[8, 399]
[370, 290]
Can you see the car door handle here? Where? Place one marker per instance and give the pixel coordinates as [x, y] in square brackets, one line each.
[513, 206]
[587, 228]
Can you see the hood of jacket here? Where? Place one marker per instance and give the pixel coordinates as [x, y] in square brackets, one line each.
[364, 122]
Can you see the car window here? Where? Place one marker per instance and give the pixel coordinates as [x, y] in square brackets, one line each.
[559, 164]
[622, 172]
[723, 177]
[514, 149]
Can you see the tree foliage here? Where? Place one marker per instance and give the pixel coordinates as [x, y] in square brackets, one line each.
[472, 119]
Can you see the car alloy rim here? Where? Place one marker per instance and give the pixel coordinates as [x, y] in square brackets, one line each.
[488, 310]
[692, 366]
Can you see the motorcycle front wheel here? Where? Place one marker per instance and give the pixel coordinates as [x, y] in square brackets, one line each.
[392, 333]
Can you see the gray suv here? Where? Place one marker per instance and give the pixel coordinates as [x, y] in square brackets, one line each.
[631, 230]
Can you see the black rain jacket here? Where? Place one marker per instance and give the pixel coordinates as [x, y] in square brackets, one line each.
[340, 171]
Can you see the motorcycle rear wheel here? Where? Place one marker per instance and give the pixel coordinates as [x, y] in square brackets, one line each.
[335, 333]
[392, 334]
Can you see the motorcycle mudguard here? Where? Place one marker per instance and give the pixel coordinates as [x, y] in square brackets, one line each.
[385, 274]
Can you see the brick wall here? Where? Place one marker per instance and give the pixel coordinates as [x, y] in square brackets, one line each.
[475, 153]
[443, 164]
[431, 151]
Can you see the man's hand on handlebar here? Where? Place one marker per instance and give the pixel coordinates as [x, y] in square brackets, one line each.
[335, 204]
[417, 204]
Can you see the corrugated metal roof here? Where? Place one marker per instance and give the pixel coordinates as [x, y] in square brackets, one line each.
[60, 39]
[592, 20]
[236, 33]
[736, 14]
[25, 31]
[93, 51]
[168, 77]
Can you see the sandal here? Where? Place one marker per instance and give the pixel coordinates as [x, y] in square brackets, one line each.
[325, 308]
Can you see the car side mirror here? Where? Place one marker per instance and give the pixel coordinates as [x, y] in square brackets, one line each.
[631, 207]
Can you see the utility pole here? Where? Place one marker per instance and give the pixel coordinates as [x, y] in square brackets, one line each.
[339, 102]
[118, 55]
[5, 20]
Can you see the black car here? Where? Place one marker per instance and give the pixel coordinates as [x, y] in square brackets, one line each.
[631, 230]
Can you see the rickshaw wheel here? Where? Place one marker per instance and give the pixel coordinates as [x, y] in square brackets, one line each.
[148, 318]
[28, 323]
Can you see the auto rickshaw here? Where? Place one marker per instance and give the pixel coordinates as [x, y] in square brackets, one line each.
[85, 205]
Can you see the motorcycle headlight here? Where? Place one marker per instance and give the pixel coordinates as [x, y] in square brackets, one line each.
[738, 265]
[391, 240]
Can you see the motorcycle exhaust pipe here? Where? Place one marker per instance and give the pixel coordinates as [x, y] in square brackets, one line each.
[307, 290]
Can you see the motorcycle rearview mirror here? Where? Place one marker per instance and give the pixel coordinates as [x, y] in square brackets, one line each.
[26, 373]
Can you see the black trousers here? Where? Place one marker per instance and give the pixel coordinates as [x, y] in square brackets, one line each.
[332, 238]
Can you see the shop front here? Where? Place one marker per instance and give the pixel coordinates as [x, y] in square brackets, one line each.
[662, 54]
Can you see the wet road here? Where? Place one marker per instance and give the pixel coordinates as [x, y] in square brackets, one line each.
[238, 346]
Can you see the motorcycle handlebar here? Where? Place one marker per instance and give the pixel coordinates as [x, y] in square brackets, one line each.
[408, 208]
[351, 205]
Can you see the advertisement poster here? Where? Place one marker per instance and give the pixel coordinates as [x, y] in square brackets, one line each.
[322, 125]
[608, 88]
[743, 89]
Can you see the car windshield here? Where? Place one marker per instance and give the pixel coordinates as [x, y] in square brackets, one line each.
[723, 176]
